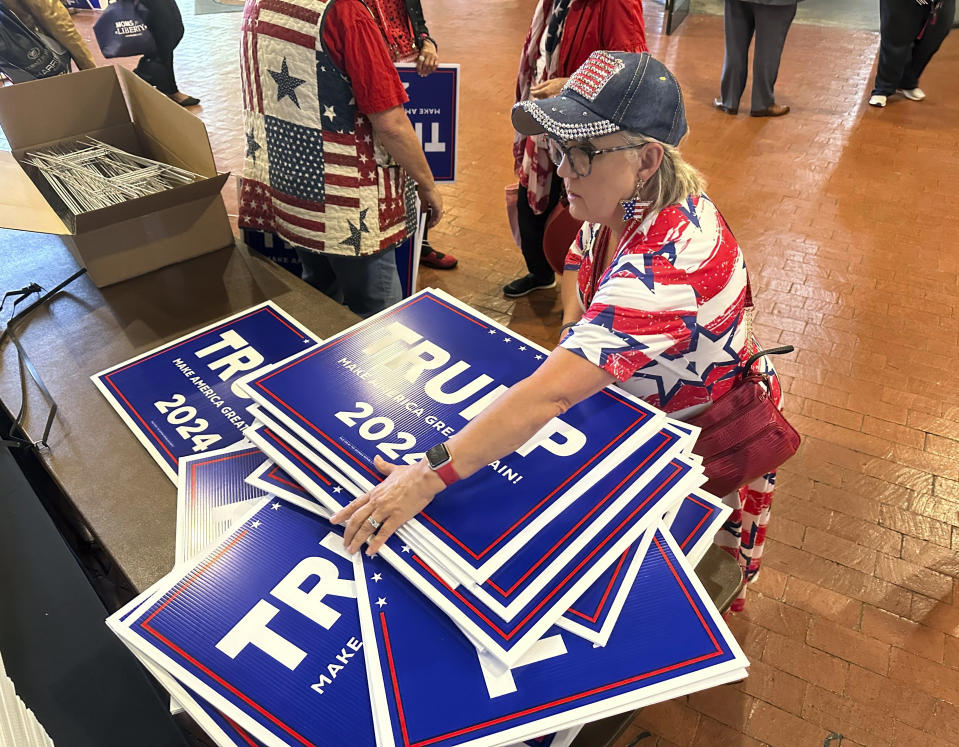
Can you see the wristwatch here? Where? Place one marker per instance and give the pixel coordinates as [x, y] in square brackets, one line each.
[441, 462]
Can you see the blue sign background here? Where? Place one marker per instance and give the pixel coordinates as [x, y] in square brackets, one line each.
[276, 477]
[186, 623]
[134, 388]
[433, 110]
[477, 516]
[512, 636]
[665, 631]
[691, 521]
[218, 480]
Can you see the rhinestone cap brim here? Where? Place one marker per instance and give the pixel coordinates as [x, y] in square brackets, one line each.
[561, 117]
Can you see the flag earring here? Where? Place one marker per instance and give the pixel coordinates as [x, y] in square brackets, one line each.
[634, 208]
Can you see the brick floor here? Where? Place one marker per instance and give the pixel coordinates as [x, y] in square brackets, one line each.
[846, 217]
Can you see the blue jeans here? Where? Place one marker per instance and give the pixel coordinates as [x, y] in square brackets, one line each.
[366, 284]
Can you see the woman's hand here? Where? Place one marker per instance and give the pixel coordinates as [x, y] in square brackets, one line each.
[432, 201]
[548, 88]
[428, 59]
[405, 492]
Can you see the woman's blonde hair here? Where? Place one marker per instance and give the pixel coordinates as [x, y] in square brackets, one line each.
[675, 179]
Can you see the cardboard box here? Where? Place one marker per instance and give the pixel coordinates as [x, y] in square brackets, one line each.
[115, 106]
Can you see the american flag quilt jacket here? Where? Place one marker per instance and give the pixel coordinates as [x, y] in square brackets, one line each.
[313, 173]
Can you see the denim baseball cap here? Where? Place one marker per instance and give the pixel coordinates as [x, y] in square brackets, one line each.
[611, 91]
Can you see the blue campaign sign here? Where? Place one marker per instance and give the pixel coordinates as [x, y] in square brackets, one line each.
[274, 480]
[594, 615]
[508, 641]
[696, 521]
[222, 730]
[212, 493]
[596, 611]
[433, 109]
[408, 378]
[670, 641]
[651, 476]
[265, 628]
[179, 399]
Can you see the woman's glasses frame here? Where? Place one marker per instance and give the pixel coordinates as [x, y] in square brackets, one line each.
[558, 151]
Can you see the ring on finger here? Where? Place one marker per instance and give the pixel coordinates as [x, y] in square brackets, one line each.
[373, 522]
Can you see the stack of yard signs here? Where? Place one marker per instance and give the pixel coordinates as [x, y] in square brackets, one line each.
[552, 588]
[18, 724]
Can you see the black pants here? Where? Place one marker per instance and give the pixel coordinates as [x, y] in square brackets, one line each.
[532, 227]
[770, 24]
[903, 57]
[166, 25]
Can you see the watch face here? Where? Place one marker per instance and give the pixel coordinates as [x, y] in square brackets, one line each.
[437, 456]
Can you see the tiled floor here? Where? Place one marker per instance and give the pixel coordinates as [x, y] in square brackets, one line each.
[849, 221]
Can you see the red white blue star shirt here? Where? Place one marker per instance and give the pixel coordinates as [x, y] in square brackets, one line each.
[666, 318]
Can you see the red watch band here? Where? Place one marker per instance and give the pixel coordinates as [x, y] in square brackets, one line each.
[447, 474]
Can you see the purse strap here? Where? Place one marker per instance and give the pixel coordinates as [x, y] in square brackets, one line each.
[747, 366]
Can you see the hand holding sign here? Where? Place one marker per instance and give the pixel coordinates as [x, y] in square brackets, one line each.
[428, 59]
[405, 492]
[432, 203]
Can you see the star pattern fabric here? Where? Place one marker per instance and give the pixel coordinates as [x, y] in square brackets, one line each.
[296, 159]
[666, 317]
[312, 177]
[286, 84]
[251, 146]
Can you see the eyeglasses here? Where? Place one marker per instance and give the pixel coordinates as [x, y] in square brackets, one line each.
[580, 157]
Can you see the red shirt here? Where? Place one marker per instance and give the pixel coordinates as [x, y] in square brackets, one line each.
[355, 44]
[616, 25]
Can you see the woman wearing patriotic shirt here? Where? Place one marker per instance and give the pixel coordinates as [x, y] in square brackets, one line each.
[654, 292]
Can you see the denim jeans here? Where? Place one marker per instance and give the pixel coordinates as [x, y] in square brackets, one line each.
[366, 284]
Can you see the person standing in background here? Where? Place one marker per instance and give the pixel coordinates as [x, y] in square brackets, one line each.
[563, 33]
[51, 18]
[329, 146]
[166, 25]
[769, 20]
[910, 33]
[408, 40]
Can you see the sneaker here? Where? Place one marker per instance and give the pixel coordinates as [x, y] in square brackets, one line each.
[527, 284]
[437, 260]
[913, 94]
[877, 100]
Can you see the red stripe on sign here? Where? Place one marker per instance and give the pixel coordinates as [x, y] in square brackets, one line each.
[193, 577]
[569, 698]
[609, 587]
[194, 466]
[710, 510]
[535, 508]
[296, 456]
[575, 529]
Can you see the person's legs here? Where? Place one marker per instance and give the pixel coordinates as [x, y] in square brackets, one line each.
[532, 227]
[899, 23]
[166, 25]
[430, 257]
[933, 35]
[743, 535]
[369, 283]
[318, 273]
[738, 27]
[772, 25]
